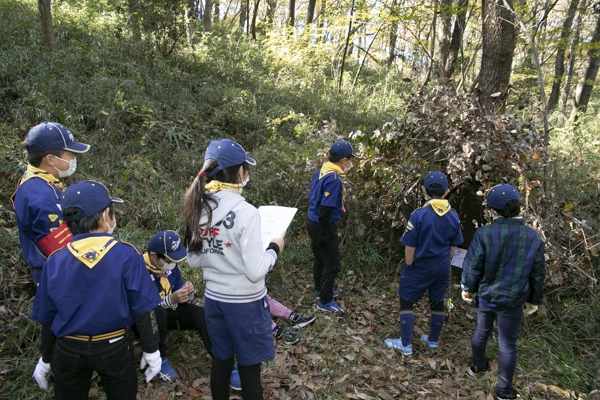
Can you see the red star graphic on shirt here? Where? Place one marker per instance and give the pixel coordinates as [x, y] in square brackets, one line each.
[228, 244]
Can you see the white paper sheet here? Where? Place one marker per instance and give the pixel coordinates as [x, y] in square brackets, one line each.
[274, 221]
[458, 257]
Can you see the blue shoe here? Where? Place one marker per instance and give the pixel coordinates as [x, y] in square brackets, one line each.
[397, 345]
[331, 307]
[432, 345]
[234, 380]
[336, 293]
[167, 373]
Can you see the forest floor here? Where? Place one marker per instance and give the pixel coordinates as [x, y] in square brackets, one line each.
[343, 356]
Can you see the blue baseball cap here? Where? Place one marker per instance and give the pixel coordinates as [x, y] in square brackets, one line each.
[341, 148]
[53, 136]
[89, 196]
[499, 196]
[228, 153]
[168, 243]
[434, 177]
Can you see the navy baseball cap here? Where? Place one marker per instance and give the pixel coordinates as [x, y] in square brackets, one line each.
[436, 177]
[53, 136]
[90, 196]
[168, 243]
[499, 196]
[341, 148]
[228, 153]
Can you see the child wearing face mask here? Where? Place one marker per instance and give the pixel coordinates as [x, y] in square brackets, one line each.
[165, 252]
[325, 208]
[51, 151]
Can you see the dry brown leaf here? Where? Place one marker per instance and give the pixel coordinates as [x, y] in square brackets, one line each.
[432, 363]
[340, 387]
[192, 391]
[559, 391]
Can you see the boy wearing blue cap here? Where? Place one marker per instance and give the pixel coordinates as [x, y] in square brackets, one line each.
[223, 235]
[90, 292]
[504, 268]
[165, 252]
[430, 238]
[51, 151]
[325, 208]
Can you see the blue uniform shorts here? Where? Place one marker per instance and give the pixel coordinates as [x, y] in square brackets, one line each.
[240, 329]
[431, 275]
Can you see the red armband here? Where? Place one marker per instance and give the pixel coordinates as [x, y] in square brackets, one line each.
[56, 240]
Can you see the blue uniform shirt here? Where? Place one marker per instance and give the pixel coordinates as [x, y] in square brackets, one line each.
[431, 234]
[93, 286]
[37, 208]
[326, 189]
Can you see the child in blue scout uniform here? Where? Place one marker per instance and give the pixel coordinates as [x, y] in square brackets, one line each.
[165, 252]
[51, 151]
[325, 207]
[431, 236]
[223, 235]
[89, 293]
[504, 268]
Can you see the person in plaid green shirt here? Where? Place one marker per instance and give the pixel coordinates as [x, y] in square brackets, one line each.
[504, 269]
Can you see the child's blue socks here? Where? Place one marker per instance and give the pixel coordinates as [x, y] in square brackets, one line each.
[437, 323]
[407, 321]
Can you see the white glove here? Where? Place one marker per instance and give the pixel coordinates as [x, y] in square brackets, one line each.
[466, 296]
[530, 308]
[153, 361]
[42, 370]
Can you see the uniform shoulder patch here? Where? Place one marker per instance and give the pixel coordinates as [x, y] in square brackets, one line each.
[52, 217]
[132, 245]
[409, 226]
[326, 194]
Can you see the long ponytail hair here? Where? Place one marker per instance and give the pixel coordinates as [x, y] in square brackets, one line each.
[198, 201]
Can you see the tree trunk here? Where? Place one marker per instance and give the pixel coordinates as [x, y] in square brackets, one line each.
[393, 33]
[208, 15]
[584, 89]
[346, 47]
[457, 37]
[498, 43]
[432, 34]
[559, 65]
[573, 56]
[132, 20]
[217, 12]
[190, 20]
[271, 8]
[310, 11]
[445, 11]
[45, 9]
[291, 13]
[254, 16]
[243, 14]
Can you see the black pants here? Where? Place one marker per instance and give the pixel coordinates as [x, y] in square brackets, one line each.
[184, 317]
[73, 363]
[327, 260]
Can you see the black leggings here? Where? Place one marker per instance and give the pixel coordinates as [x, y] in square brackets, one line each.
[249, 375]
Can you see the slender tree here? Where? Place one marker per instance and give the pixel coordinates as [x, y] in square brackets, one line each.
[444, 31]
[291, 13]
[584, 89]
[45, 9]
[458, 29]
[254, 16]
[310, 11]
[498, 47]
[208, 16]
[393, 33]
[573, 53]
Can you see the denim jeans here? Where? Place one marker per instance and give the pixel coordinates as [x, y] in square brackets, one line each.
[508, 321]
[73, 363]
[327, 260]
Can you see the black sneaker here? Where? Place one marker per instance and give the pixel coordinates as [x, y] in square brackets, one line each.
[476, 372]
[301, 320]
[287, 336]
[512, 395]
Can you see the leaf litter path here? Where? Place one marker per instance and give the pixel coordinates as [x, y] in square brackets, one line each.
[343, 357]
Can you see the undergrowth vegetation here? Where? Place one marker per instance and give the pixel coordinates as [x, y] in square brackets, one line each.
[149, 119]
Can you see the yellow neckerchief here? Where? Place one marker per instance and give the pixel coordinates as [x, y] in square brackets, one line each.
[164, 281]
[329, 168]
[217, 186]
[91, 249]
[33, 172]
[440, 206]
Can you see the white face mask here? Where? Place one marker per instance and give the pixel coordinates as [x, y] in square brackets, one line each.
[68, 172]
[245, 181]
[110, 229]
[346, 169]
[168, 266]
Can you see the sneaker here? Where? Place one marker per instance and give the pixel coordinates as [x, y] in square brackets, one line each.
[288, 336]
[167, 373]
[301, 320]
[331, 307]
[475, 371]
[432, 345]
[513, 394]
[317, 293]
[234, 380]
[397, 345]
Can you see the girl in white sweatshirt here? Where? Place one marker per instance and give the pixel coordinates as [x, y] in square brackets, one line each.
[224, 238]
